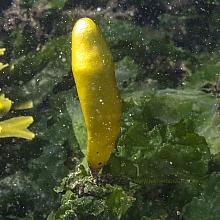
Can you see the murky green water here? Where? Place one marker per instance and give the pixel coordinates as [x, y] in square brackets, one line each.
[165, 164]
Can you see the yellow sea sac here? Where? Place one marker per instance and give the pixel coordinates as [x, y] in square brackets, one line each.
[2, 51]
[2, 66]
[17, 127]
[24, 105]
[5, 105]
[94, 74]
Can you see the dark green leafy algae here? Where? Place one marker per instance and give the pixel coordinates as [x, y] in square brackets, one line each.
[167, 161]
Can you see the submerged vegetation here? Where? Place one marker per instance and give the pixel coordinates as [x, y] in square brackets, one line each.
[17, 126]
[166, 164]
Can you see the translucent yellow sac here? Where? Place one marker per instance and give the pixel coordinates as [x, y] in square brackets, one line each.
[94, 74]
[24, 105]
[5, 105]
[17, 127]
[2, 66]
[2, 51]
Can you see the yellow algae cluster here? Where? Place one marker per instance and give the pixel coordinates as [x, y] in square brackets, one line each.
[17, 126]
